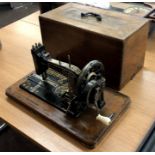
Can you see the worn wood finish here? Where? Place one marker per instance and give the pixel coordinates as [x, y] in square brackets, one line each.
[84, 128]
[119, 40]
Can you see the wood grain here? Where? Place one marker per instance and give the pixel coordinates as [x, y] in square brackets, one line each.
[16, 62]
[85, 128]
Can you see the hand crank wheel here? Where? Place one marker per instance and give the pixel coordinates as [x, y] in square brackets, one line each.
[92, 71]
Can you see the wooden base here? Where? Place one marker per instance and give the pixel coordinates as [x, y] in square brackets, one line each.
[85, 128]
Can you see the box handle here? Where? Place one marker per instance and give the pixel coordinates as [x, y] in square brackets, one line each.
[97, 16]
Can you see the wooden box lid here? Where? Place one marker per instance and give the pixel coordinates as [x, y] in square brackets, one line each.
[114, 24]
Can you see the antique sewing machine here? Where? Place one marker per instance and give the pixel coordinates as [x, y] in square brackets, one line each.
[76, 100]
[64, 85]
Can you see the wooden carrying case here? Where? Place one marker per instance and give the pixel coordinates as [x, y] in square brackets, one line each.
[118, 40]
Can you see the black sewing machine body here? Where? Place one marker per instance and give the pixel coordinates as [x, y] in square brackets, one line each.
[64, 85]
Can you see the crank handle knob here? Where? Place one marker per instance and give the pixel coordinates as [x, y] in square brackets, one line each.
[105, 120]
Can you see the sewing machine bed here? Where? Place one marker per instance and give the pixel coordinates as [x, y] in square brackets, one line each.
[85, 128]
